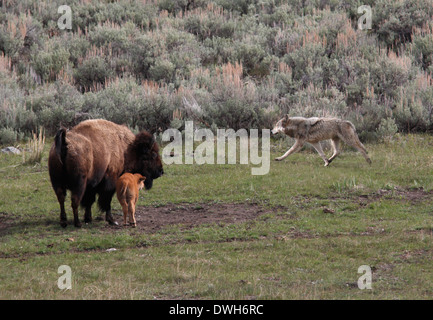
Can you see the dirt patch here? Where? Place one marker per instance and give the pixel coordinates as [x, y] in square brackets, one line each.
[411, 195]
[4, 222]
[151, 219]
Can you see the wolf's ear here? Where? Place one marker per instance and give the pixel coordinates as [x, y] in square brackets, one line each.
[286, 117]
[314, 121]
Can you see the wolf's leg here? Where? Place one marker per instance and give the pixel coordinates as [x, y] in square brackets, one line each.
[353, 141]
[336, 149]
[296, 147]
[319, 149]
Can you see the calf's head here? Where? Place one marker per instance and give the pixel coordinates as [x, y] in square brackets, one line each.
[140, 180]
[142, 156]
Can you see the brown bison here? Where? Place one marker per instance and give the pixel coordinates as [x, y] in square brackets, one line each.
[88, 160]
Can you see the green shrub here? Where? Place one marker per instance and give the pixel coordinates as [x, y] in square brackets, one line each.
[180, 5]
[55, 105]
[250, 55]
[422, 50]
[394, 21]
[144, 52]
[163, 69]
[77, 47]
[306, 64]
[217, 51]
[410, 113]
[92, 72]
[35, 148]
[114, 36]
[241, 6]
[210, 24]
[47, 63]
[156, 111]
[244, 62]
[8, 136]
[387, 129]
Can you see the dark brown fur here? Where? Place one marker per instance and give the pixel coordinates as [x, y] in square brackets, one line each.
[88, 160]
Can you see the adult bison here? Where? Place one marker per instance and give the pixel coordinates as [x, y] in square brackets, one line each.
[89, 158]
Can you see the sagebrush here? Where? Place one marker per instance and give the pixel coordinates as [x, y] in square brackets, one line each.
[245, 63]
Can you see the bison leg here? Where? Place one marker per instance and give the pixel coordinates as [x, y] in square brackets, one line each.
[109, 218]
[104, 202]
[76, 197]
[88, 214]
[86, 202]
[61, 194]
[75, 201]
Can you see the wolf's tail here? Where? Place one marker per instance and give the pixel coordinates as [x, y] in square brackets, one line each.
[350, 124]
[352, 139]
[356, 137]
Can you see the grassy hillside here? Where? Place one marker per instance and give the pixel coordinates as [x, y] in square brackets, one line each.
[237, 64]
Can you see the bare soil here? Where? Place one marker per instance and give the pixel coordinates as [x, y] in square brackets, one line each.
[412, 195]
[151, 219]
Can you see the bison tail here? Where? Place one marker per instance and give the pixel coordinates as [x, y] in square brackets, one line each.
[60, 144]
[121, 192]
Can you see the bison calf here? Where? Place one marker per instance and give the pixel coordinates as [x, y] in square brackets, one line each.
[127, 187]
[88, 160]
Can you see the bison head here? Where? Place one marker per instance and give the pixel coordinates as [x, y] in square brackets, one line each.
[142, 156]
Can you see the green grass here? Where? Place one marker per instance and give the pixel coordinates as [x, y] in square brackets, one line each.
[296, 251]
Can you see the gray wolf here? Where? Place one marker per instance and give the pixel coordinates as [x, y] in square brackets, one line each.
[127, 188]
[314, 130]
[88, 160]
